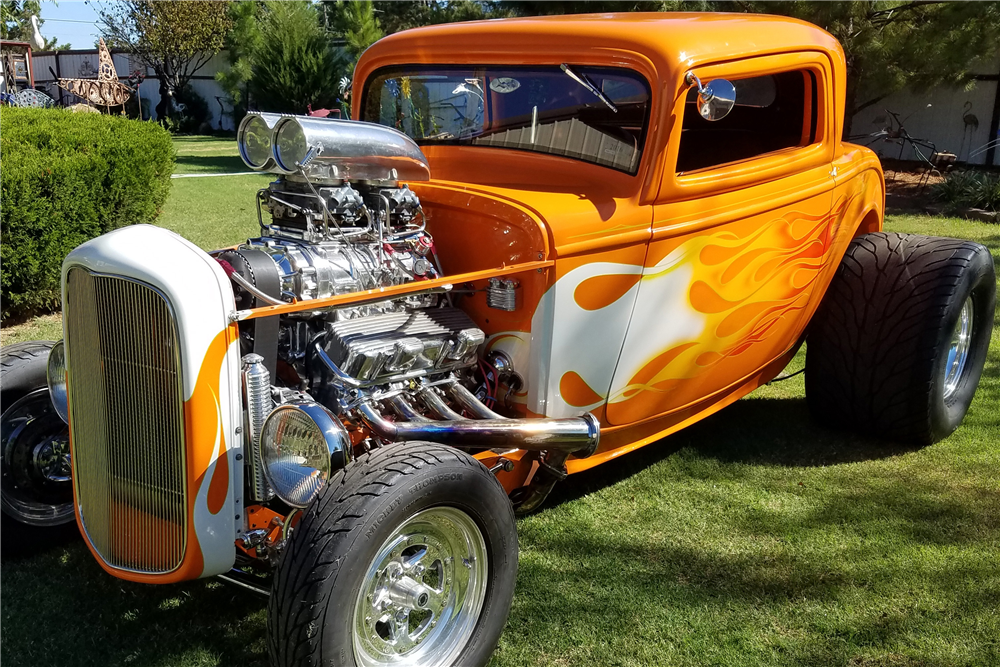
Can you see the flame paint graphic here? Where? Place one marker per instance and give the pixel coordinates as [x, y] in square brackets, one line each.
[749, 285]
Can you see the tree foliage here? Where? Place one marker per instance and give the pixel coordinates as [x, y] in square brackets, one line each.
[175, 39]
[355, 21]
[15, 22]
[892, 45]
[396, 16]
[244, 41]
[281, 58]
[888, 44]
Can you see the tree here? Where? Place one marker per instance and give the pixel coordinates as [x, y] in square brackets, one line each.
[282, 59]
[244, 41]
[894, 45]
[396, 16]
[15, 22]
[356, 22]
[174, 39]
[889, 44]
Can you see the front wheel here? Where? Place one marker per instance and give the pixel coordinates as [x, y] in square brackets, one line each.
[35, 480]
[408, 556]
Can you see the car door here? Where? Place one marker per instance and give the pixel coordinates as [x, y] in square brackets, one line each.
[743, 232]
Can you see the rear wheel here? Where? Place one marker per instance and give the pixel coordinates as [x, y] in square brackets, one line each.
[409, 556]
[35, 478]
[900, 341]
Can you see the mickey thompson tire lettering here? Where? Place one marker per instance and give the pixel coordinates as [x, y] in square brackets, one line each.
[315, 588]
[877, 349]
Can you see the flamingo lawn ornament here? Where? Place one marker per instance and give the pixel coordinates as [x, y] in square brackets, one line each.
[106, 89]
[971, 127]
[37, 41]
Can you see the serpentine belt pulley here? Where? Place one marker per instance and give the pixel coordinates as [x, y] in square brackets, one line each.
[260, 270]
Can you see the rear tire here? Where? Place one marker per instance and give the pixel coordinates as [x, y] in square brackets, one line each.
[406, 517]
[898, 345]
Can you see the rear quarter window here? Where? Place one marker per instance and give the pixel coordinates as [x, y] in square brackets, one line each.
[772, 113]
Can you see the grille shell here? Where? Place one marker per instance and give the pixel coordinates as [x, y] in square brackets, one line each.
[127, 421]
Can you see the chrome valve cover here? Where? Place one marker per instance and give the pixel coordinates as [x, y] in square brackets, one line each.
[382, 346]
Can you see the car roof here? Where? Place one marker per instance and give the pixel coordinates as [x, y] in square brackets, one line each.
[670, 40]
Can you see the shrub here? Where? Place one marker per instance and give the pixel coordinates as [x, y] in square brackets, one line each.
[969, 189]
[66, 178]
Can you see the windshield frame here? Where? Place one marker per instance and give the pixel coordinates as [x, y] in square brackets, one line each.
[402, 69]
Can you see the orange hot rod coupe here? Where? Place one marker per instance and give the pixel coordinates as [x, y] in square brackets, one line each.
[544, 244]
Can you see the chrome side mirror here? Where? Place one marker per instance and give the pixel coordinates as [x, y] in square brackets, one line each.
[715, 100]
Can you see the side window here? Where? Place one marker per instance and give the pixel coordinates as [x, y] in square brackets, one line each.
[772, 112]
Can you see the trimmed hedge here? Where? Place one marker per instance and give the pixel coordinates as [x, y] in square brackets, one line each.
[66, 178]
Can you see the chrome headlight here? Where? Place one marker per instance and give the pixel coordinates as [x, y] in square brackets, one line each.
[254, 140]
[55, 374]
[301, 445]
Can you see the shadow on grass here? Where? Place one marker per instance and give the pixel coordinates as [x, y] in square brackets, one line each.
[209, 164]
[758, 431]
[780, 605]
[61, 608]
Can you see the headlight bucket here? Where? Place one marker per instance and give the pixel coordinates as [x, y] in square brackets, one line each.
[301, 445]
[55, 375]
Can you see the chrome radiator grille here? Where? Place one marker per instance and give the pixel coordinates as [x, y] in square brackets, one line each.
[127, 421]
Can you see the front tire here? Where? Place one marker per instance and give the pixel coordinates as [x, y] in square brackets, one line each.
[899, 343]
[408, 556]
[36, 492]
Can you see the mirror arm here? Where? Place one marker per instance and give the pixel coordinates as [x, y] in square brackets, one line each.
[692, 80]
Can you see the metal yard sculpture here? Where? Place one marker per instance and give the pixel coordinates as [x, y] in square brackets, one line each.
[106, 89]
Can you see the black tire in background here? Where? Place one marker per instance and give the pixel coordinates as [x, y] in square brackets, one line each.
[328, 563]
[24, 391]
[878, 348]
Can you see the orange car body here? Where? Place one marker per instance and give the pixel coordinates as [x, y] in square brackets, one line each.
[652, 299]
[670, 294]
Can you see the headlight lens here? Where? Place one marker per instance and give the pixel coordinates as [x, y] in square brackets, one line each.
[254, 140]
[301, 445]
[290, 145]
[56, 377]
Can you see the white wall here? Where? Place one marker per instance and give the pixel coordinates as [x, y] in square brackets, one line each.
[943, 123]
[82, 64]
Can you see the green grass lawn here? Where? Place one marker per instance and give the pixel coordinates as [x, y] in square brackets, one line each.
[207, 155]
[751, 538]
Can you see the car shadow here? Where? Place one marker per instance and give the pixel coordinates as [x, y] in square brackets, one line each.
[757, 431]
[88, 617]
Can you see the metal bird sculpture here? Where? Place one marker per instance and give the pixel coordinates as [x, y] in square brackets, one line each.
[106, 89]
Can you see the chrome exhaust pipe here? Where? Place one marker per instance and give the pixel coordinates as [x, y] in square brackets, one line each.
[468, 401]
[437, 405]
[576, 435]
[402, 408]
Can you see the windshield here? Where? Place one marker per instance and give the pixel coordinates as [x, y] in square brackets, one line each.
[595, 114]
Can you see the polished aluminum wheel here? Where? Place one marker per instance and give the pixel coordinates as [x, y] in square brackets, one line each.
[422, 593]
[958, 351]
[36, 478]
